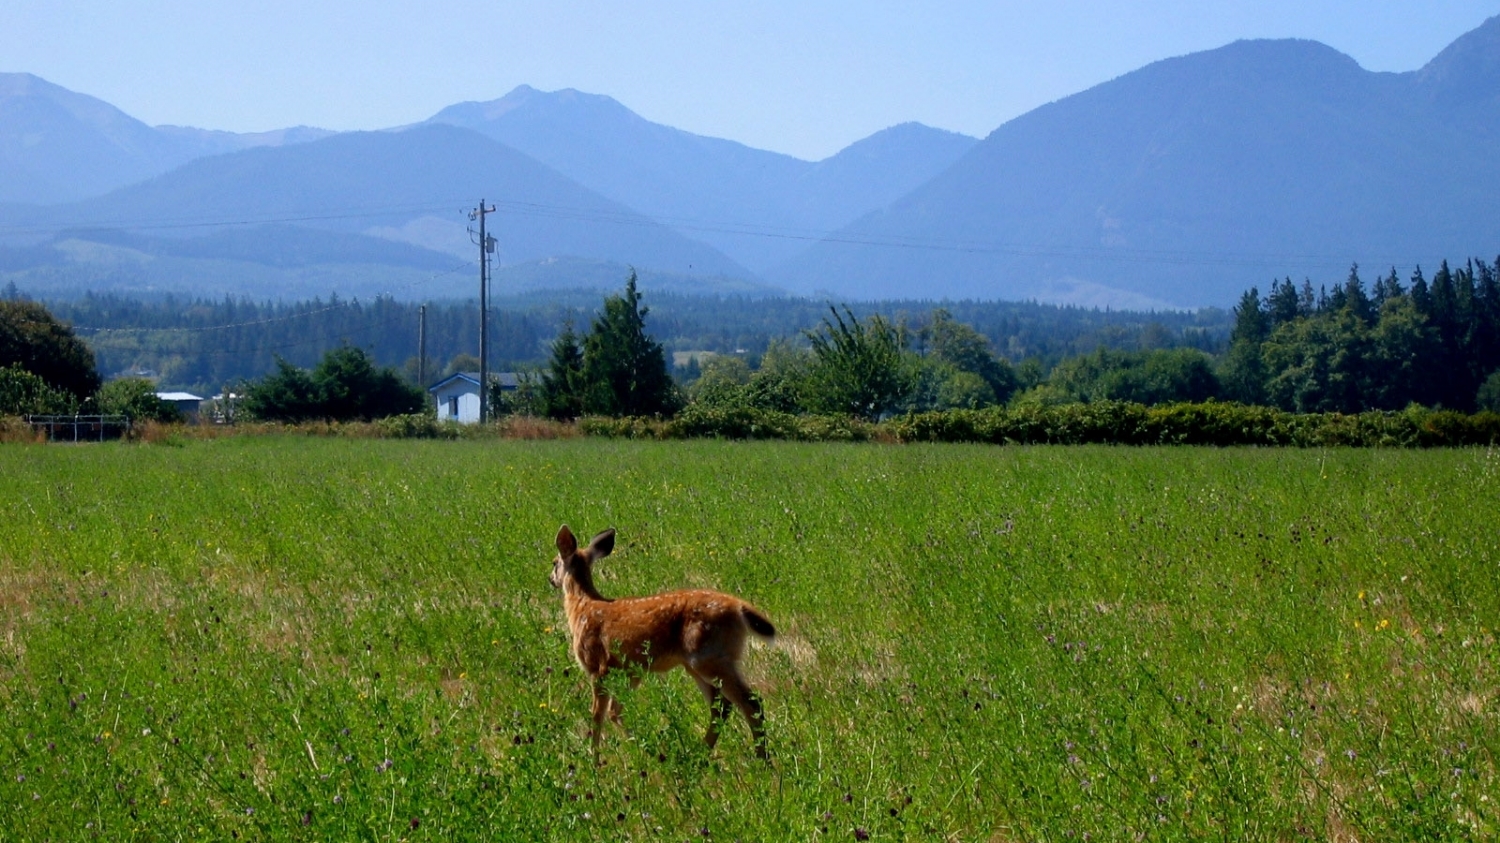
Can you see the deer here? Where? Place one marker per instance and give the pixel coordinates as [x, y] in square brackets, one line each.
[701, 631]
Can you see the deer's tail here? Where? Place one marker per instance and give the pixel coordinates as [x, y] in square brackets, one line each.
[757, 622]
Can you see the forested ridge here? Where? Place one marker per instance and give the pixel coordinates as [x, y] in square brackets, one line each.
[203, 344]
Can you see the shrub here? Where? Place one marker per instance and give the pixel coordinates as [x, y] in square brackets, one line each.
[416, 426]
[345, 386]
[136, 399]
[1209, 423]
[23, 393]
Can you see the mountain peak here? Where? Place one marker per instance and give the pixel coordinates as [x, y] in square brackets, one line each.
[1257, 62]
[1466, 74]
[911, 143]
[24, 84]
[523, 98]
[90, 110]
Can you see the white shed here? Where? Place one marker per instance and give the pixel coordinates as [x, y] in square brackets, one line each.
[457, 395]
[186, 403]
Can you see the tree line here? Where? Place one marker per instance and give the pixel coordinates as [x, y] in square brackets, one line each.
[203, 345]
[45, 369]
[1349, 350]
[1434, 343]
[200, 345]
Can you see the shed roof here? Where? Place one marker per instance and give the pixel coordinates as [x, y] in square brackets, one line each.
[178, 396]
[507, 380]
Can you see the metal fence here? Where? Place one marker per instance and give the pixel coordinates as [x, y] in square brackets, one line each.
[81, 428]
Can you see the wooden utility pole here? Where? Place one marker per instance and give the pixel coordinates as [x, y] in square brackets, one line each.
[422, 347]
[486, 247]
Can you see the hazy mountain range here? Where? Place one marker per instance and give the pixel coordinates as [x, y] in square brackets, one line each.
[1193, 178]
[1179, 184]
[57, 145]
[758, 207]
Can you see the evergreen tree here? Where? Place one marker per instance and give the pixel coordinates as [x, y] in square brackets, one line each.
[1354, 298]
[1419, 293]
[288, 395]
[1283, 305]
[1243, 373]
[345, 386]
[624, 369]
[562, 382]
[1307, 305]
[349, 387]
[1388, 288]
[1486, 349]
[1403, 348]
[1453, 383]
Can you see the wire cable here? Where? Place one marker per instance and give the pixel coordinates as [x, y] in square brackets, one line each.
[842, 236]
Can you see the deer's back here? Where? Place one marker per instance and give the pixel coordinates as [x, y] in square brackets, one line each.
[661, 631]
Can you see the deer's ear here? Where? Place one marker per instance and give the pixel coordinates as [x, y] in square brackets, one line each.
[566, 544]
[602, 544]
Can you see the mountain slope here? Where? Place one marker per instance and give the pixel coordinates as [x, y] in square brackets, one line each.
[411, 186]
[719, 191]
[61, 146]
[1463, 81]
[1188, 181]
[56, 145]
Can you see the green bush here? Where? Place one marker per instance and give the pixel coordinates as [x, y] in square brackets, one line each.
[345, 386]
[136, 399]
[416, 426]
[734, 422]
[1209, 423]
[23, 393]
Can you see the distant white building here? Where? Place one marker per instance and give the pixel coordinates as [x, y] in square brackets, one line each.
[186, 403]
[457, 395]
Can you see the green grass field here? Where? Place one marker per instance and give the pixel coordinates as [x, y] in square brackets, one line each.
[295, 638]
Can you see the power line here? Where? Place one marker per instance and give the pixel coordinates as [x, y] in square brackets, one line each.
[1098, 253]
[836, 237]
[158, 224]
[313, 340]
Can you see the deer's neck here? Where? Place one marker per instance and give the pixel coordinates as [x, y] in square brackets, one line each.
[578, 589]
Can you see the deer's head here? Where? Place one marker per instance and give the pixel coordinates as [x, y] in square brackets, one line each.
[578, 563]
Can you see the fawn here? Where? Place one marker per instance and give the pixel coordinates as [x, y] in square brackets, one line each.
[701, 631]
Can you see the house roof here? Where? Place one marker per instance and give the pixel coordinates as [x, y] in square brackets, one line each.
[507, 380]
[182, 396]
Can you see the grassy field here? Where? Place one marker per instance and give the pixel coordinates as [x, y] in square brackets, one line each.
[293, 638]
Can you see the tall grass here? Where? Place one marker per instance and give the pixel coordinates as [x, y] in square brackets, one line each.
[307, 638]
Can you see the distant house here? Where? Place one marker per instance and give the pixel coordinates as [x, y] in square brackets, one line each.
[457, 395]
[186, 403]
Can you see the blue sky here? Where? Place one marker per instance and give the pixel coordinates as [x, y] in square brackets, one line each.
[805, 78]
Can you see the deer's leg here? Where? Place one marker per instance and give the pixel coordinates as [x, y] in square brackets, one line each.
[718, 708]
[603, 704]
[734, 687]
